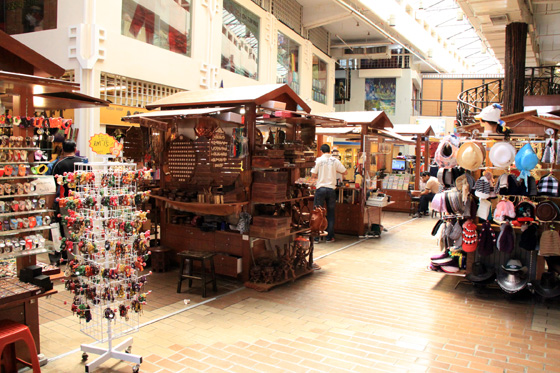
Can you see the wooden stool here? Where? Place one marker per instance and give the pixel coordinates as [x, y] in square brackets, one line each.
[10, 333]
[414, 201]
[160, 258]
[203, 258]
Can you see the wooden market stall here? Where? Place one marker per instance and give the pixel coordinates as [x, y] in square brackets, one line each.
[420, 135]
[369, 132]
[28, 97]
[229, 159]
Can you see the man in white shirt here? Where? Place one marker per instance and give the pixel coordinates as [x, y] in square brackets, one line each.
[325, 171]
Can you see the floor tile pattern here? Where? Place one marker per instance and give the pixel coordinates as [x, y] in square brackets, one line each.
[372, 307]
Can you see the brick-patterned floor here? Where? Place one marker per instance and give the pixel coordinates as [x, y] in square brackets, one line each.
[372, 307]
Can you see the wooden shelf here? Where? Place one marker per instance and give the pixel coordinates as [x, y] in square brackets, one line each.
[258, 286]
[16, 231]
[281, 201]
[24, 253]
[203, 208]
[26, 195]
[32, 212]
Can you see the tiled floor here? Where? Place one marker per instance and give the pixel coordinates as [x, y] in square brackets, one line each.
[373, 306]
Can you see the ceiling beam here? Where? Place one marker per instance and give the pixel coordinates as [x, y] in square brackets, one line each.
[327, 20]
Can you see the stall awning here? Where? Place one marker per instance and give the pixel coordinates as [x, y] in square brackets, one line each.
[338, 130]
[171, 114]
[374, 119]
[414, 129]
[395, 136]
[67, 100]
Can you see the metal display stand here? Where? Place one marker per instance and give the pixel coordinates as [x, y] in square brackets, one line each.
[109, 252]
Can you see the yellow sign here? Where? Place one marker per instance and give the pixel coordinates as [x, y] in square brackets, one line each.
[104, 144]
[113, 113]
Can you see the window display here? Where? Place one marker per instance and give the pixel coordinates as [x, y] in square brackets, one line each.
[319, 80]
[240, 40]
[165, 23]
[287, 63]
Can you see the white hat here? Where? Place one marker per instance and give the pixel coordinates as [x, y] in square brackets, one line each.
[502, 154]
[491, 113]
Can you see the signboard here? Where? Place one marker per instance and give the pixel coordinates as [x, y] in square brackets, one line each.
[113, 113]
[104, 144]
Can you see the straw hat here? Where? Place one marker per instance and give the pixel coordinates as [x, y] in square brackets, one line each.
[502, 154]
[470, 156]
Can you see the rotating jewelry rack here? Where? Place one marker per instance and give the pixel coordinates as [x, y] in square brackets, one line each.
[109, 253]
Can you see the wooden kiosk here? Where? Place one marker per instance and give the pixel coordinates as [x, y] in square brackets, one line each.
[225, 156]
[369, 130]
[420, 136]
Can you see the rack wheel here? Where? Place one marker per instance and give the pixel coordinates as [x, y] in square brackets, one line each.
[136, 368]
[84, 356]
[128, 350]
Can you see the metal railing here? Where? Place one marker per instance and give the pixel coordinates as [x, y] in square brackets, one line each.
[538, 81]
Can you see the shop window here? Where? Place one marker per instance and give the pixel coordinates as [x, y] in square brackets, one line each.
[319, 80]
[164, 23]
[287, 64]
[240, 40]
[22, 16]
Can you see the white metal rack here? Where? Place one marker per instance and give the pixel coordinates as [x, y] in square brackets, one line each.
[108, 249]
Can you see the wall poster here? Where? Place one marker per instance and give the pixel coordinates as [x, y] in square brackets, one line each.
[380, 95]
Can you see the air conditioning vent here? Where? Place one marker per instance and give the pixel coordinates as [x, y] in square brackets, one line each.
[499, 20]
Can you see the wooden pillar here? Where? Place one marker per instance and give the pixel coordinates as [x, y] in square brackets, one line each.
[514, 81]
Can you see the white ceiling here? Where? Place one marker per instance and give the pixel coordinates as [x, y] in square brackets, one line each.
[433, 31]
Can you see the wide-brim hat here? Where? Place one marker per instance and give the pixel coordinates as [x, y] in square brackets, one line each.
[548, 286]
[470, 156]
[514, 265]
[502, 154]
[511, 282]
[479, 273]
[547, 211]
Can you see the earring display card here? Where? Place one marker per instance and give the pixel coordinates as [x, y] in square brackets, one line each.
[225, 170]
[182, 159]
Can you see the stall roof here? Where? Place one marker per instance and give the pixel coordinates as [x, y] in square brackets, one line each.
[68, 100]
[169, 114]
[377, 119]
[25, 59]
[257, 94]
[337, 130]
[392, 134]
[523, 124]
[414, 129]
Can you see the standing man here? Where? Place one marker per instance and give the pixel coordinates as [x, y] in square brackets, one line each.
[325, 171]
[426, 196]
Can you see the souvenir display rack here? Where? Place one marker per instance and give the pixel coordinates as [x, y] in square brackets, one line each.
[527, 128]
[109, 250]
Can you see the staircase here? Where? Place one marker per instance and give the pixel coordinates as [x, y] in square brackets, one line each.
[538, 81]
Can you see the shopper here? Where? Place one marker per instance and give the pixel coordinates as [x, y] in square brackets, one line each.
[325, 171]
[426, 196]
[64, 164]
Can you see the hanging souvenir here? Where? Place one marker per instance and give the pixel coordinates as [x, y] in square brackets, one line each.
[548, 153]
[525, 160]
[238, 147]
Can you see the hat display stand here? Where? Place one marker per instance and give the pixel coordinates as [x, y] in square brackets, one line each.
[520, 185]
